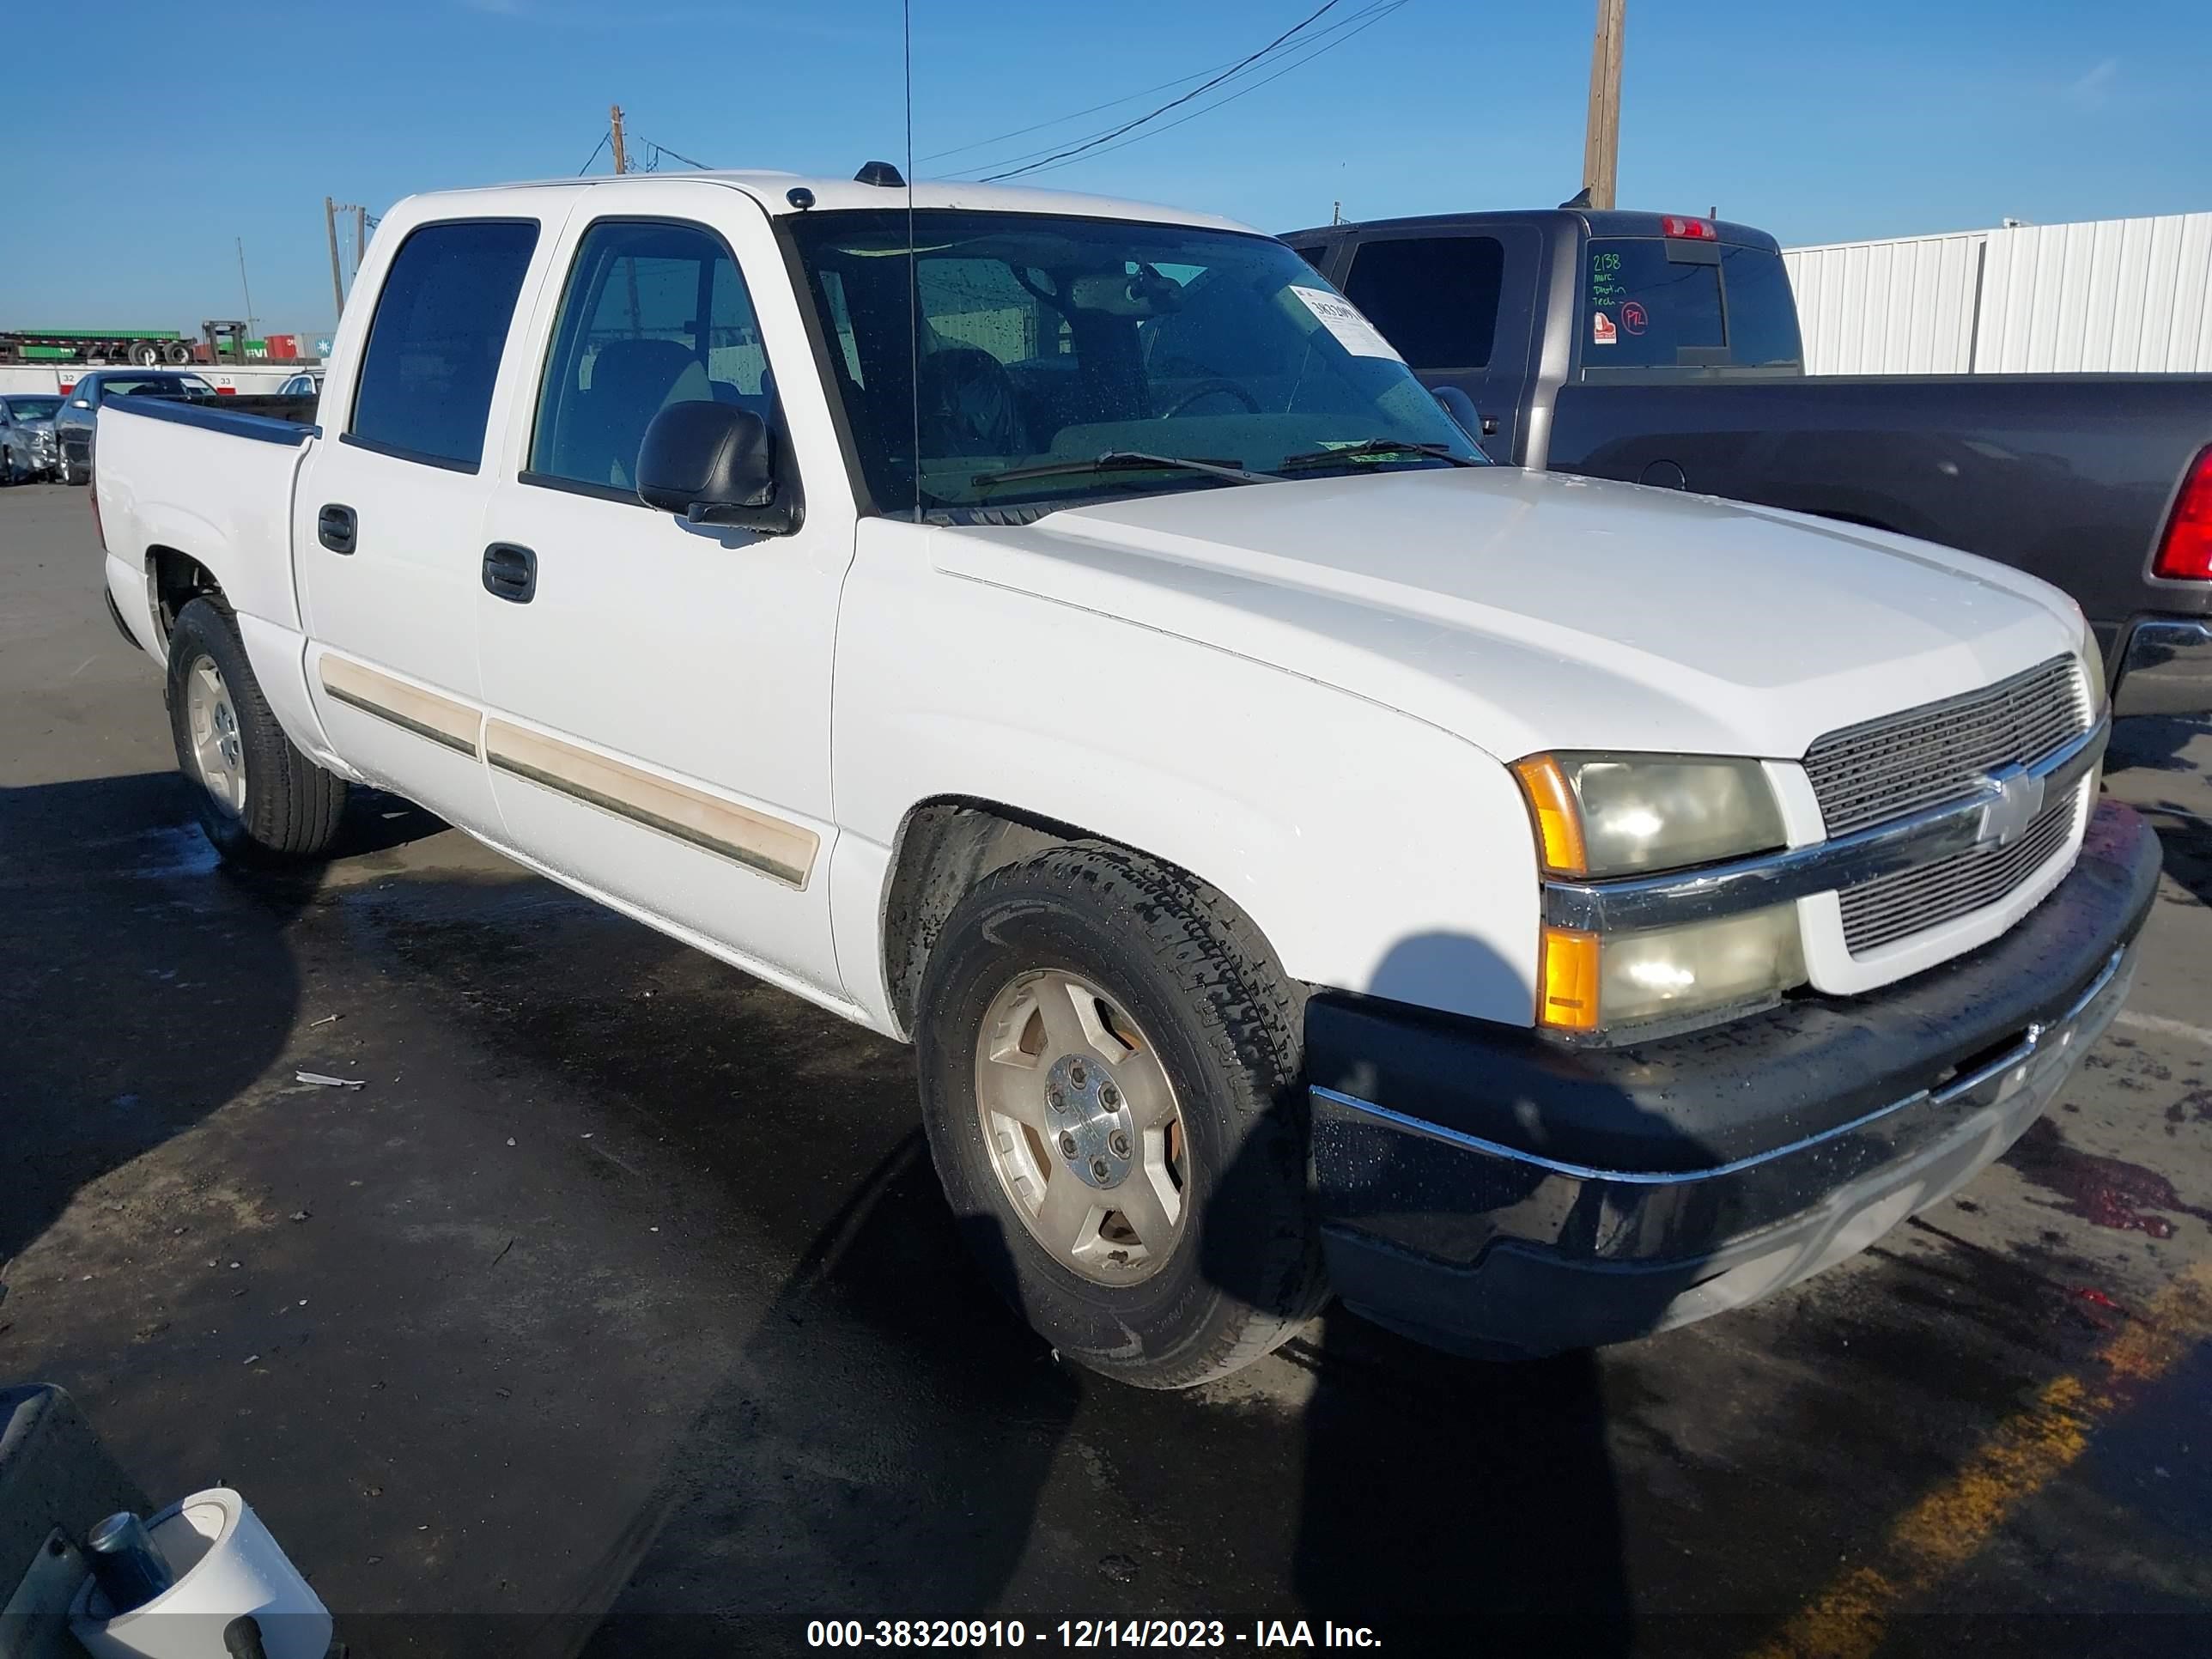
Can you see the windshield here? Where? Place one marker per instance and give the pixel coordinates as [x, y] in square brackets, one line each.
[1045, 338]
[33, 408]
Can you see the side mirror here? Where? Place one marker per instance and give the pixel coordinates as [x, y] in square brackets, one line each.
[714, 464]
[1461, 407]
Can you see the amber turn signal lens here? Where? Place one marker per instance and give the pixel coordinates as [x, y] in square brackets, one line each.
[1559, 818]
[1569, 972]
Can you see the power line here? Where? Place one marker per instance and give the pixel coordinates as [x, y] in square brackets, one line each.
[593, 156]
[1046, 152]
[1072, 115]
[1374, 15]
[1129, 126]
[1352, 23]
[659, 150]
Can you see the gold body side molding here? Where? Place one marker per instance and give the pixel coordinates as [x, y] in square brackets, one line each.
[776, 849]
[442, 719]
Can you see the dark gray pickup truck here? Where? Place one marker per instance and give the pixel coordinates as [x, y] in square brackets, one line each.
[1665, 350]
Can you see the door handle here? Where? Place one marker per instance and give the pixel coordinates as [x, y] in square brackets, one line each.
[336, 528]
[510, 573]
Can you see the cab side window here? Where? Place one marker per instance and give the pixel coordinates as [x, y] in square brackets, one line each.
[434, 344]
[1435, 298]
[655, 314]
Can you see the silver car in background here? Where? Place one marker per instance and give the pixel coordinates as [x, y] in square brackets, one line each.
[27, 447]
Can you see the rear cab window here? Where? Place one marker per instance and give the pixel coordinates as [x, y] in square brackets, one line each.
[1651, 302]
[434, 342]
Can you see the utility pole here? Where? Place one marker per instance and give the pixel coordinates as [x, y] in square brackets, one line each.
[337, 283]
[360, 238]
[614, 120]
[248, 291]
[1601, 139]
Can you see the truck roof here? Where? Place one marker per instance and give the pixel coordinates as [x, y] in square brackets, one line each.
[1602, 222]
[773, 191]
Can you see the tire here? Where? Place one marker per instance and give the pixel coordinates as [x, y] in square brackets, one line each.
[8, 475]
[176, 354]
[145, 354]
[1186, 989]
[260, 800]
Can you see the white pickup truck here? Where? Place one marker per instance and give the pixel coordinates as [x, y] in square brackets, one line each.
[1063, 635]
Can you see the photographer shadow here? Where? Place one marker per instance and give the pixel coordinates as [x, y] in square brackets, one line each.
[886, 1440]
[879, 1446]
[1453, 1501]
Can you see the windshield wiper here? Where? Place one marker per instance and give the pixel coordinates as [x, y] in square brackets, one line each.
[1373, 446]
[1123, 461]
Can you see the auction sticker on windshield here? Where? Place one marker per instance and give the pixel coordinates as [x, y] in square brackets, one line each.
[1341, 317]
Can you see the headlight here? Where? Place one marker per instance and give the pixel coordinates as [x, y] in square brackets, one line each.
[1599, 816]
[1601, 983]
[1619, 815]
[2093, 666]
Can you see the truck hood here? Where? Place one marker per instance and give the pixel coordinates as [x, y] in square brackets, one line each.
[1525, 611]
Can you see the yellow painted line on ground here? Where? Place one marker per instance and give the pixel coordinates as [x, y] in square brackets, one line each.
[1945, 1530]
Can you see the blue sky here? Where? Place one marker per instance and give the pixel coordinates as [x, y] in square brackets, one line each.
[121, 195]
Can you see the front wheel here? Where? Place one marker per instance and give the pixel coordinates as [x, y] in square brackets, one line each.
[259, 799]
[1110, 1083]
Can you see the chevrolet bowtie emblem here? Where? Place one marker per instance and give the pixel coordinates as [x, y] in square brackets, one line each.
[2011, 799]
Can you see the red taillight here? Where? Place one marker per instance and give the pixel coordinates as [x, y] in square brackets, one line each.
[1698, 230]
[2186, 553]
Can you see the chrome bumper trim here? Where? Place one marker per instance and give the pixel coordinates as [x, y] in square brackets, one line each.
[2168, 669]
[2004, 1077]
[1905, 843]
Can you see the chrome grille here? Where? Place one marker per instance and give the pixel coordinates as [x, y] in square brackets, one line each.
[1890, 907]
[1926, 756]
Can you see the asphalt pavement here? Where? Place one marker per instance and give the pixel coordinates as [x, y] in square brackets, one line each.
[617, 1311]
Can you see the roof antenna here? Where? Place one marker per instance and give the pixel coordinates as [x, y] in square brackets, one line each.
[913, 269]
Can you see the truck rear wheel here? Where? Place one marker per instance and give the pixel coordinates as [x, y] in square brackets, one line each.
[259, 799]
[1111, 1085]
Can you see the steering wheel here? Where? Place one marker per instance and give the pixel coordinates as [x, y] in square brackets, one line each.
[1206, 389]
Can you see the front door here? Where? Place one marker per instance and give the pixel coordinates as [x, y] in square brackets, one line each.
[658, 691]
[389, 508]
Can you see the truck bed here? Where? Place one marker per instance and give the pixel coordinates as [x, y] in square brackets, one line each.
[267, 417]
[2068, 476]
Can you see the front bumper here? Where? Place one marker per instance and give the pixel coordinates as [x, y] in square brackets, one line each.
[1487, 1191]
[2165, 668]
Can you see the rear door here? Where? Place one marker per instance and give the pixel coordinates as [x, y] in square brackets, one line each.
[387, 518]
[1458, 305]
[658, 691]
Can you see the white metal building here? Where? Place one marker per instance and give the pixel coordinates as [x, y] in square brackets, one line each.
[2119, 296]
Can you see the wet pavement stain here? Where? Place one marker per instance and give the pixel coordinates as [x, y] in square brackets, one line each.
[2106, 1192]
